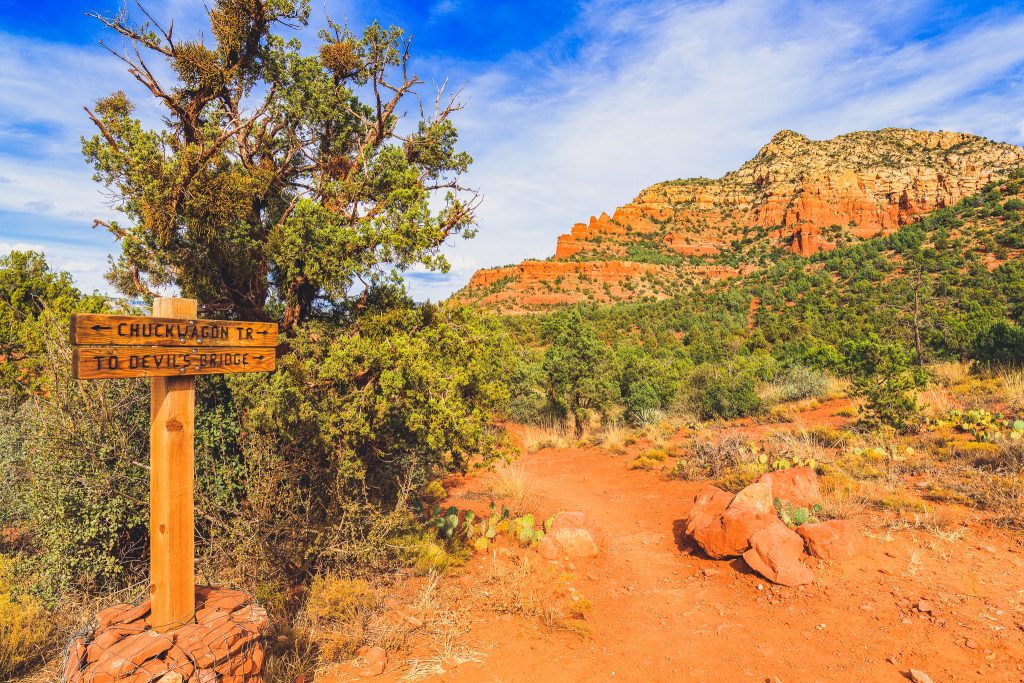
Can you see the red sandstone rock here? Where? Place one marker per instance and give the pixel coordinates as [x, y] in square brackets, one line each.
[775, 553]
[837, 539]
[757, 496]
[75, 661]
[121, 614]
[376, 660]
[797, 187]
[709, 501]
[728, 533]
[224, 645]
[575, 535]
[797, 485]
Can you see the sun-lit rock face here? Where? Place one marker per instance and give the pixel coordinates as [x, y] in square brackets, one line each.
[796, 194]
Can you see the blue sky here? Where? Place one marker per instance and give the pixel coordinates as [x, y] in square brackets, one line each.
[573, 107]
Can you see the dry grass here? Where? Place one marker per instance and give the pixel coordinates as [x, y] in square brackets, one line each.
[549, 435]
[511, 485]
[1013, 382]
[615, 438]
[950, 374]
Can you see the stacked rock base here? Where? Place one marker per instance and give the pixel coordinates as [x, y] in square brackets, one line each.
[222, 646]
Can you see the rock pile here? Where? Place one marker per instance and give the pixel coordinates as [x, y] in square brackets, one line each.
[746, 525]
[222, 646]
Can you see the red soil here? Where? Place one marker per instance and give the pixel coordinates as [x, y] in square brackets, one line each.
[664, 612]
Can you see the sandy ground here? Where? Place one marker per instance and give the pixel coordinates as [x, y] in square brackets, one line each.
[664, 612]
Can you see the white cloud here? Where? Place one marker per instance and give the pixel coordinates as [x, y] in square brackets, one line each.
[665, 90]
[634, 93]
[8, 247]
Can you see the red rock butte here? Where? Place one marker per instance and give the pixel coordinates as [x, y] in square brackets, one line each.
[796, 194]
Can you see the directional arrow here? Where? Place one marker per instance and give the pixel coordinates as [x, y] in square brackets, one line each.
[101, 327]
[263, 332]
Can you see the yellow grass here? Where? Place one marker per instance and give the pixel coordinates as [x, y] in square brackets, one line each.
[550, 435]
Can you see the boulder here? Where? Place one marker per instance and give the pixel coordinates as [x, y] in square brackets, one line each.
[838, 539]
[573, 534]
[757, 496]
[775, 553]
[727, 534]
[709, 501]
[797, 485]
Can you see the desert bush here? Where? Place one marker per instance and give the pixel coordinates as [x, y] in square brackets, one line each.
[1002, 343]
[337, 612]
[554, 434]
[25, 628]
[797, 383]
[732, 462]
[82, 476]
[724, 391]
[882, 376]
[614, 438]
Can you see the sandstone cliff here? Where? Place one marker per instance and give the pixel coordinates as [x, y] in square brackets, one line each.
[796, 194]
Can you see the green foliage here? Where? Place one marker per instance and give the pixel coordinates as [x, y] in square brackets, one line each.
[1001, 343]
[727, 391]
[881, 375]
[578, 367]
[273, 188]
[793, 516]
[30, 290]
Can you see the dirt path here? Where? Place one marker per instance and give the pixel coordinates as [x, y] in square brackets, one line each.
[664, 612]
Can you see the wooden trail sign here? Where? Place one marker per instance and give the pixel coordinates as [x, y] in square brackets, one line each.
[172, 347]
[88, 329]
[109, 362]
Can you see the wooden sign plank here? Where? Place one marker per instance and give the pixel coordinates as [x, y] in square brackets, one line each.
[113, 362]
[93, 329]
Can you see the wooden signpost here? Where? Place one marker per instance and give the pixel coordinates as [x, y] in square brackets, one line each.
[171, 347]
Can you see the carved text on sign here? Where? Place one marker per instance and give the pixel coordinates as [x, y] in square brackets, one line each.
[88, 329]
[114, 362]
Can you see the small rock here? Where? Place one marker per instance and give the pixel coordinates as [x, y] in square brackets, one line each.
[757, 496]
[919, 676]
[575, 534]
[775, 554]
[710, 571]
[838, 539]
[376, 660]
[970, 644]
[797, 485]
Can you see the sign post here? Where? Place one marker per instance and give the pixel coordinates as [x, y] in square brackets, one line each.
[171, 347]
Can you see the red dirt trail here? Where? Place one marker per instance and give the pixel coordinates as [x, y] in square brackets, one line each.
[664, 612]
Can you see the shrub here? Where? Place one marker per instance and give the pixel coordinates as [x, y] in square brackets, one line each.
[800, 382]
[881, 375]
[722, 391]
[24, 629]
[1001, 343]
[337, 610]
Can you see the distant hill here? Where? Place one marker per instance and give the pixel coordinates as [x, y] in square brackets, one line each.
[796, 195]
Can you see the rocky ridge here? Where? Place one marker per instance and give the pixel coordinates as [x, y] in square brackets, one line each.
[796, 194]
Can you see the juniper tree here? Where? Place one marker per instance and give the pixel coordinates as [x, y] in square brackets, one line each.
[281, 182]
